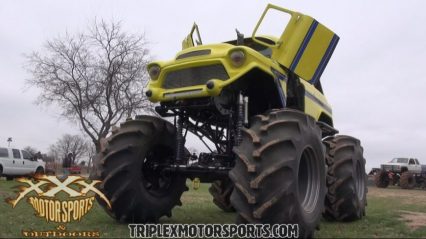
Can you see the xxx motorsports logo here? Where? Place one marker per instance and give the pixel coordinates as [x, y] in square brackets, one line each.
[59, 201]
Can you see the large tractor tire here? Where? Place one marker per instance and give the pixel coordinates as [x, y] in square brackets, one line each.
[394, 180]
[407, 180]
[346, 179]
[279, 174]
[381, 179]
[136, 189]
[221, 191]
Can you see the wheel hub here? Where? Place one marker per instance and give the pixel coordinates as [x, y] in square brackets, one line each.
[309, 180]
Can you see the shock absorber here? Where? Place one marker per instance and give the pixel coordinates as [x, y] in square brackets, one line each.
[240, 119]
[180, 144]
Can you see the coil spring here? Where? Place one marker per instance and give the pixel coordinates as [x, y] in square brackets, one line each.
[179, 139]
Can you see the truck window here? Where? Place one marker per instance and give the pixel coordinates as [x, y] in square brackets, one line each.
[266, 51]
[400, 160]
[417, 161]
[26, 155]
[411, 161]
[4, 152]
[16, 153]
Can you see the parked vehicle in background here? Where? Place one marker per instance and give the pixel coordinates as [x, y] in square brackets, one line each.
[16, 162]
[74, 169]
[405, 172]
[373, 171]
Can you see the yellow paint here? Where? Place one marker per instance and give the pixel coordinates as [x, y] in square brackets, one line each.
[219, 54]
[284, 52]
[286, 48]
[312, 108]
[196, 183]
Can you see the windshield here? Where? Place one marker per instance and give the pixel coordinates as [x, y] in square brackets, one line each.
[248, 42]
[399, 160]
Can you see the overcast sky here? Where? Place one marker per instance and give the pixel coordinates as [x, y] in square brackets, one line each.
[375, 80]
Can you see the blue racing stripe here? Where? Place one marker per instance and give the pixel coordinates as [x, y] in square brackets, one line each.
[319, 102]
[278, 78]
[324, 61]
[304, 44]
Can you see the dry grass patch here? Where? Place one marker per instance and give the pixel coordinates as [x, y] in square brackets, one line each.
[414, 220]
[415, 196]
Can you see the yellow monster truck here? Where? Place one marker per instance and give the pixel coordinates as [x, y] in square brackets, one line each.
[258, 106]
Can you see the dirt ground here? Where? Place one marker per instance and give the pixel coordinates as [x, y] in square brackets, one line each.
[413, 220]
[416, 196]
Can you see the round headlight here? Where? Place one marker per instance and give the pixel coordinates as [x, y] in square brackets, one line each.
[154, 72]
[237, 57]
[210, 84]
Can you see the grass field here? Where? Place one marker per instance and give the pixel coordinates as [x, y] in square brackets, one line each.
[391, 212]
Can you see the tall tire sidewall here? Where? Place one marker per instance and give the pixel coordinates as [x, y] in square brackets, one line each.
[353, 206]
[381, 179]
[221, 192]
[288, 210]
[311, 219]
[405, 180]
[143, 195]
[360, 161]
[142, 204]
[362, 200]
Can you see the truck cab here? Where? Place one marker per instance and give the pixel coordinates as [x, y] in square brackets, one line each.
[16, 162]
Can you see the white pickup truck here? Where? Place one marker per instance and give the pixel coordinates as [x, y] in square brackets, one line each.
[16, 162]
[400, 165]
[405, 172]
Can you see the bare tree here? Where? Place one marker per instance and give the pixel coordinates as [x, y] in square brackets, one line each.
[91, 153]
[96, 77]
[70, 144]
[54, 154]
[31, 150]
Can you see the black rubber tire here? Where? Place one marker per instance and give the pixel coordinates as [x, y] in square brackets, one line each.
[137, 193]
[221, 191]
[39, 172]
[395, 180]
[9, 178]
[381, 179]
[346, 197]
[407, 181]
[279, 174]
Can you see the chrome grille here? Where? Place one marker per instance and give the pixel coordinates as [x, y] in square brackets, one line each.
[194, 76]
[393, 168]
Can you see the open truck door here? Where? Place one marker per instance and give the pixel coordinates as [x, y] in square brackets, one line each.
[304, 47]
[189, 40]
